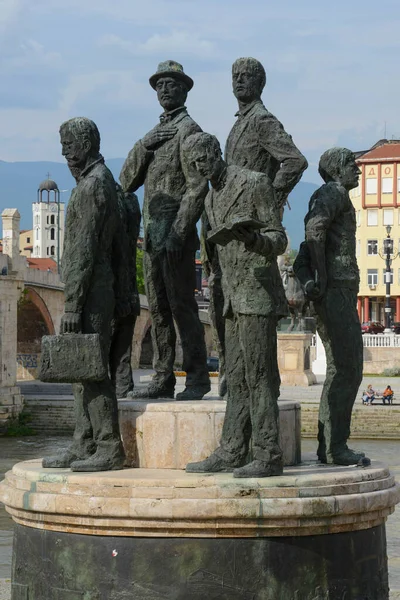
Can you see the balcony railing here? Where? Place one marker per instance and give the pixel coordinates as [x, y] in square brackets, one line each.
[381, 340]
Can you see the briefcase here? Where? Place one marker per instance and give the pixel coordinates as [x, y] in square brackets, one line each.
[72, 358]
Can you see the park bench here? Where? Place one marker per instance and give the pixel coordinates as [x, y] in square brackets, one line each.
[379, 397]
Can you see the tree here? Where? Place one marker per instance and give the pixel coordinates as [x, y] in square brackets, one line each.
[139, 271]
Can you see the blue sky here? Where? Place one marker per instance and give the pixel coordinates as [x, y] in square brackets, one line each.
[332, 68]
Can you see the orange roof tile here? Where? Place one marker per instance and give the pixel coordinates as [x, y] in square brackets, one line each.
[388, 151]
[43, 264]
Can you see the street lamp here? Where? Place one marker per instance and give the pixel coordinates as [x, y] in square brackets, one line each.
[388, 254]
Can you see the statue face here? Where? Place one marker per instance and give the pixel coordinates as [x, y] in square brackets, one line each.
[170, 93]
[205, 162]
[349, 173]
[75, 150]
[245, 84]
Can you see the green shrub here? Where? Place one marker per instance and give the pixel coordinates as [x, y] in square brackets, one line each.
[19, 426]
[392, 372]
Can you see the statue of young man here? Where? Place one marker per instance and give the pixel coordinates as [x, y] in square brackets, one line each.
[259, 142]
[254, 301]
[90, 295]
[327, 267]
[173, 203]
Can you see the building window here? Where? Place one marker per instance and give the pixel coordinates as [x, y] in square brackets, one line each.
[47, 219]
[372, 186]
[52, 220]
[37, 220]
[52, 233]
[37, 234]
[52, 251]
[28, 240]
[372, 276]
[372, 217]
[388, 216]
[47, 250]
[372, 247]
[358, 247]
[387, 185]
[384, 275]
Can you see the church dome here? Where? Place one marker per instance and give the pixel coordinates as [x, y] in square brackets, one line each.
[48, 185]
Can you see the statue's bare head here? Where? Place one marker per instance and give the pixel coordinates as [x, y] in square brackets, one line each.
[80, 140]
[248, 79]
[339, 164]
[203, 152]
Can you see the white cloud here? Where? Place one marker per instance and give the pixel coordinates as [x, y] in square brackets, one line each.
[173, 43]
[33, 54]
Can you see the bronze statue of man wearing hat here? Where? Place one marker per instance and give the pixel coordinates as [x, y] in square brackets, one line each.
[174, 196]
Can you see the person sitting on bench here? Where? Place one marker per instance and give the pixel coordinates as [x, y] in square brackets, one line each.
[369, 395]
[387, 395]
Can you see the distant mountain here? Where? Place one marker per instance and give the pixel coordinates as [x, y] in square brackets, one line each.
[19, 182]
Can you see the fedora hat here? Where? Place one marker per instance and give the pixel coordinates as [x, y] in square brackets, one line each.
[170, 68]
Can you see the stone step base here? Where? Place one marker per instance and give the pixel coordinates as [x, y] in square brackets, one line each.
[368, 422]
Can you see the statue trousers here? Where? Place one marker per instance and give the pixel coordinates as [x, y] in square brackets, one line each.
[339, 328]
[170, 293]
[96, 408]
[121, 353]
[252, 374]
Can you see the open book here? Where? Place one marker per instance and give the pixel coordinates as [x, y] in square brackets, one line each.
[223, 234]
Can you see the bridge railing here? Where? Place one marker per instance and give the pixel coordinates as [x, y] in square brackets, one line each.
[43, 278]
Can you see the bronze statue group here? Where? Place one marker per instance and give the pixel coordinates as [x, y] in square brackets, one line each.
[240, 199]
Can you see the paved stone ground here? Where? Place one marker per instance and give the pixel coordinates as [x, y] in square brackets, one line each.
[5, 589]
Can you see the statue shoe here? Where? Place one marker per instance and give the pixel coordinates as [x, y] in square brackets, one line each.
[213, 464]
[259, 468]
[348, 457]
[194, 392]
[64, 459]
[100, 461]
[151, 392]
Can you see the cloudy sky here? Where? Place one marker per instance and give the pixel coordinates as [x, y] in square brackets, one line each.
[332, 68]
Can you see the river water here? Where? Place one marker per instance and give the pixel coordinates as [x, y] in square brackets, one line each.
[13, 450]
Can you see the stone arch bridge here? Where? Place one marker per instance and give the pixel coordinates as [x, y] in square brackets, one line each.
[41, 307]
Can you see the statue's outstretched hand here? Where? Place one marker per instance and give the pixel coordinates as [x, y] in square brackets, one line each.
[71, 323]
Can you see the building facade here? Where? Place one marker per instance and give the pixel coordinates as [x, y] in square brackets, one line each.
[377, 204]
[26, 242]
[48, 222]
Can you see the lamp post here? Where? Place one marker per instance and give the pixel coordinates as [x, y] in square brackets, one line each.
[388, 254]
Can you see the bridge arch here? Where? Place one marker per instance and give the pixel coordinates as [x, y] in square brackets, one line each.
[31, 296]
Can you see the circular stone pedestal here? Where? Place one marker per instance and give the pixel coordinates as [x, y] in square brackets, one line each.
[167, 434]
[317, 532]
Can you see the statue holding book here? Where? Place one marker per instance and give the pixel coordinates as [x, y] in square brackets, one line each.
[244, 219]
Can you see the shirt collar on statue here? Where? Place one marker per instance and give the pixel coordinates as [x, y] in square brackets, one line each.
[245, 111]
[87, 169]
[169, 115]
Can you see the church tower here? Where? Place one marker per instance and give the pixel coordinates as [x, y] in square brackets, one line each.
[48, 222]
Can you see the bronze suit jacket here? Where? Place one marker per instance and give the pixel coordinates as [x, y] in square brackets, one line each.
[250, 277]
[259, 142]
[174, 192]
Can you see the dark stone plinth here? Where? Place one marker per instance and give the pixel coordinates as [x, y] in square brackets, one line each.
[60, 566]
